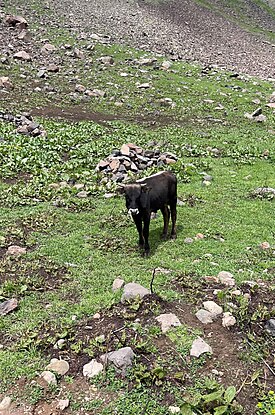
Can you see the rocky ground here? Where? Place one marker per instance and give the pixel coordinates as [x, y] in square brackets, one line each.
[182, 29]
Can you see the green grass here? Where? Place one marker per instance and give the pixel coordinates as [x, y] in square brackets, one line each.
[84, 244]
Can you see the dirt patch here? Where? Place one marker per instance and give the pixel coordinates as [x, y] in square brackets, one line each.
[81, 114]
[20, 233]
[21, 177]
[36, 275]
[136, 327]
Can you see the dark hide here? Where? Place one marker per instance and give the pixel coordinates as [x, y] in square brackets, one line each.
[157, 192]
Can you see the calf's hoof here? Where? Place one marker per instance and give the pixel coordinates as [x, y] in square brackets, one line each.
[174, 236]
[164, 236]
[146, 254]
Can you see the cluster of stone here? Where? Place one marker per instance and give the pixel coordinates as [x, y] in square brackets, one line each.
[132, 158]
[24, 124]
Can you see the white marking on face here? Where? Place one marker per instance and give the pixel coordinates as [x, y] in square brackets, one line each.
[133, 211]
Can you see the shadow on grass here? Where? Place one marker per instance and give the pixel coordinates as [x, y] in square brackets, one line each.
[155, 239]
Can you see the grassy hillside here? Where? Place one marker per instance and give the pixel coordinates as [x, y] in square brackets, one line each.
[76, 247]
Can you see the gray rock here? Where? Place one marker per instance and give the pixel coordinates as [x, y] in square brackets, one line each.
[160, 270]
[270, 327]
[199, 347]
[134, 167]
[53, 68]
[82, 195]
[213, 308]
[16, 250]
[5, 83]
[147, 61]
[14, 20]
[49, 377]
[174, 409]
[22, 55]
[119, 177]
[94, 36]
[117, 284]
[166, 65]
[145, 85]
[59, 366]
[92, 369]
[260, 118]
[62, 404]
[5, 403]
[188, 240]
[96, 93]
[226, 278]
[48, 48]
[121, 359]
[42, 73]
[106, 60]
[251, 284]
[228, 319]
[78, 53]
[8, 306]
[59, 344]
[264, 191]
[79, 186]
[257, 112]
[132, 291]
[166, 102]
[125, 150]
[256, 115]
[122, 168]
[167, 321]
[80, 88]
[207, 178]
[204, 316]
[109, 195]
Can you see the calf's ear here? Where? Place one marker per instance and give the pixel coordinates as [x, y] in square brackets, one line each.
[120, 189]
[145, 188]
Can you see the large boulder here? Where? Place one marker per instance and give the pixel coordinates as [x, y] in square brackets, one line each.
[121, 359]
[133, 291]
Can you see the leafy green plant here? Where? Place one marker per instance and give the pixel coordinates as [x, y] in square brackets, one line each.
[218, 402]
[143, 375]
[34, 392]
[266, 405]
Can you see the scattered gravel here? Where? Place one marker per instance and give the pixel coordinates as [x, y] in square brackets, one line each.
[180, 29]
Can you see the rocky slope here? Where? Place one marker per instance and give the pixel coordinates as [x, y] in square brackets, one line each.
[182, 29]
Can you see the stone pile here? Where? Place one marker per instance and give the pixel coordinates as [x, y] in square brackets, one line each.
[264, 192]
[134, 159]
[24, 124]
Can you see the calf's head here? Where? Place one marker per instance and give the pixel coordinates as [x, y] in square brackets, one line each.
[137, 197]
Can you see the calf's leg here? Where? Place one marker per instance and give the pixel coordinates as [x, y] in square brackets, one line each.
[173, 207]
[146, 235]
[166, 216]
[138, 222]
